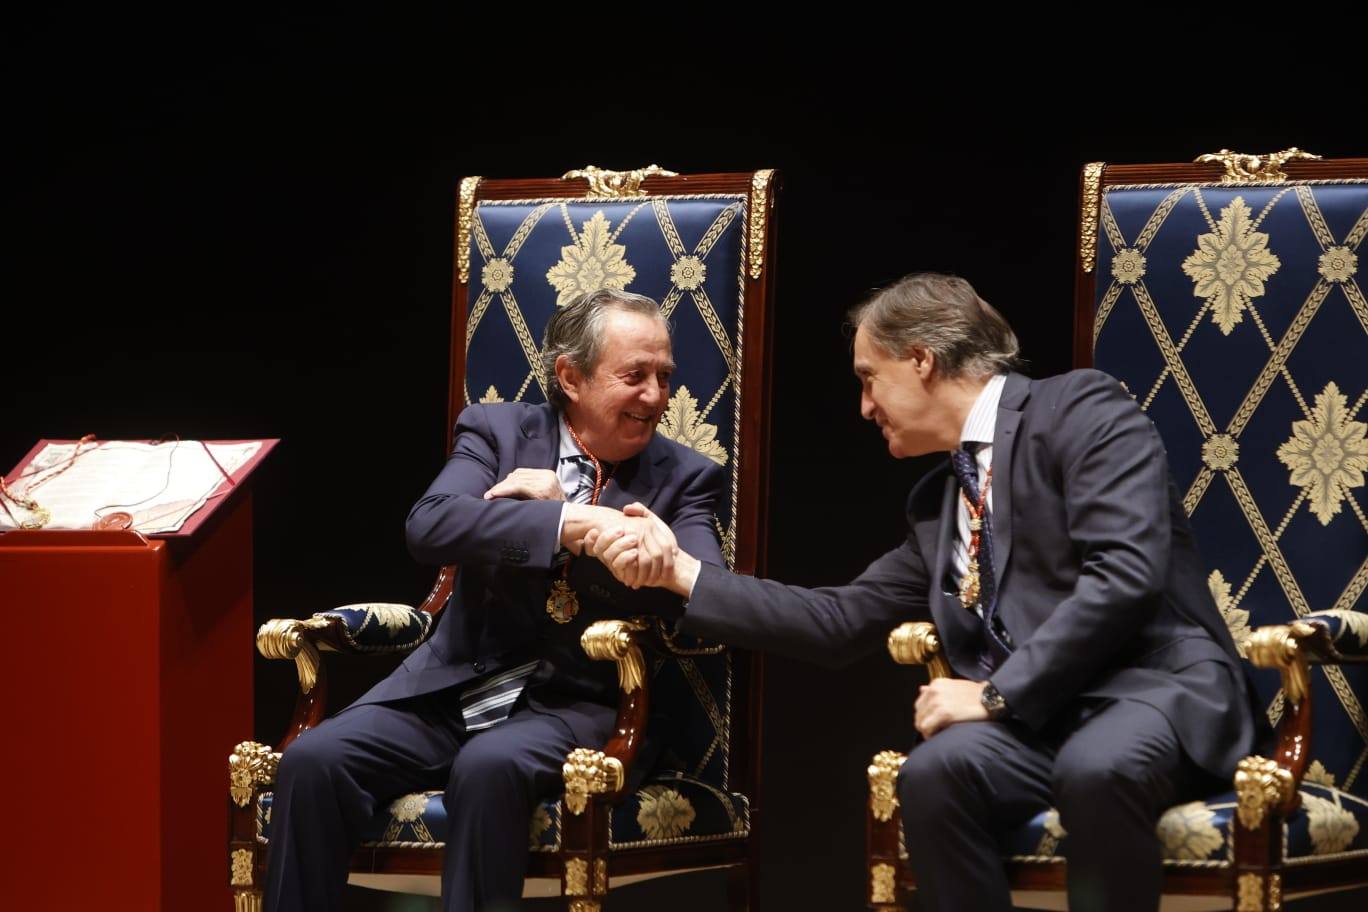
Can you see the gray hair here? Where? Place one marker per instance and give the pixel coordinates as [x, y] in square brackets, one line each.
[944, 315]
[576, 331]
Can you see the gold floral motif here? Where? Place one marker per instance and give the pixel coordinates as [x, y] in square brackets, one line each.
[600, 876]
[409, 808]
[605, 183]
[664, 813]
[1054, 832]
[1318, 774]
[883, 784]
[683, 424]
[1220, 452]
[1274, 893]
[465, 218]
[497, 274]
[242, 868]
[576, 877]
[589, 772]
[759, 215]
[882, 884]
[1187, 833]
[1230, 265]
[585, 905]
[1242, 168]
[1338, 264]
[1260, 784]
[247, 901]
[615, 641]
[1332, 827]
[688, 272]
[1251, 893]
[394, 618]
[1355, 622]
[1128, 267]
[250, 764]
[1092, 204]
[491, 396]
[541, 822]
[1236, 618]
[1327, 454]
[592, 263]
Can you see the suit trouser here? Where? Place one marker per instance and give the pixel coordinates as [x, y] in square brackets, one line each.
[1111, 771]
[334, 779]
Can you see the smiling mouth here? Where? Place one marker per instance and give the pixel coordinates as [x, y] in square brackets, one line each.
[644, 419]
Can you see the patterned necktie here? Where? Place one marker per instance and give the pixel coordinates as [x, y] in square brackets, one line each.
[995, 639]
[584, 488]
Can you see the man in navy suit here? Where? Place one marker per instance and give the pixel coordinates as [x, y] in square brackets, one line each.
[490, 705]
[1094, 673]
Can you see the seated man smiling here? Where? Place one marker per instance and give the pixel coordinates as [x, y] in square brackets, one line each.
[490, 705]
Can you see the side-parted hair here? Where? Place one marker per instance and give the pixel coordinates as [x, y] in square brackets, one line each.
[576, 331]
[944, 315]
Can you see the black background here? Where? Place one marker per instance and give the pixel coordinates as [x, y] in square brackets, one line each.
[242, 227]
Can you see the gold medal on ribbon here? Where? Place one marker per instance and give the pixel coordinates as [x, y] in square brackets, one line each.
[969, 587]
[562, 604]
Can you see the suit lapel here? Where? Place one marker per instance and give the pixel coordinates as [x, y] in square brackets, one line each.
[540, 442]
[636, 479]
[957, 625]
[1014, 395]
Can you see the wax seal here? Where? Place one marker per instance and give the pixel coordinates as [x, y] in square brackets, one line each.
[117, 520]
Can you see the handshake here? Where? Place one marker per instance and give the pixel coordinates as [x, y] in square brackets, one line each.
[635, 544]
[641, 550]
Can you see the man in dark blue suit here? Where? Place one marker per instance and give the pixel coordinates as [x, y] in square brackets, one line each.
[490, 705]
[1094, 673]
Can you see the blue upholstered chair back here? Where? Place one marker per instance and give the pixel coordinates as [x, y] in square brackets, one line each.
[1235, 315]
[529, 256]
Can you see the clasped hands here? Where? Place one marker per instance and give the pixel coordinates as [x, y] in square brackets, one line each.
[641, 550]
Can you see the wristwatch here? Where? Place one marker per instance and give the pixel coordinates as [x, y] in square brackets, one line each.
[992, 702]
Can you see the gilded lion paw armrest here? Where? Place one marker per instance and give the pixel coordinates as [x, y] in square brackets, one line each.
[918, 643]
[913, 643]
[359, 629]
[605, 772]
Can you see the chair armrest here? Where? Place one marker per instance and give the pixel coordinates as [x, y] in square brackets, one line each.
[1345, 641]
[918, 643]
[1265, 785]
[358, 629]
[604, 772]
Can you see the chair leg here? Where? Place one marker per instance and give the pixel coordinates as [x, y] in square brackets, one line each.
[882, 837]
[739, 888]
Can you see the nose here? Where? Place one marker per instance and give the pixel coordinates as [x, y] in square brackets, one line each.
[655, 393]
[866, 406]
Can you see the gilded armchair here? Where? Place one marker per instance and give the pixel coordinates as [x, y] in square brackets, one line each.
[1226, 296]
[702, 245]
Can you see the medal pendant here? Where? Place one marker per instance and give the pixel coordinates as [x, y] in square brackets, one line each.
[562, 604]
[969, 588]
[975, 523]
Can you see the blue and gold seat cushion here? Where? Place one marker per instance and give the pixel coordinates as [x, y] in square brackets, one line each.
[379, 627]
[669, 809]
[1330, 824]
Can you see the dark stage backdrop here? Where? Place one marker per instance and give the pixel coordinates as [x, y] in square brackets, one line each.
[243, 228]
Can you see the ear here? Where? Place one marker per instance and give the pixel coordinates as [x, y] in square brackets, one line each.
[925, 361]
[569, 377]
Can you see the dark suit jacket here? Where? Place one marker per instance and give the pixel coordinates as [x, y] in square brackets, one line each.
[497, 618]
[1099, 580]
